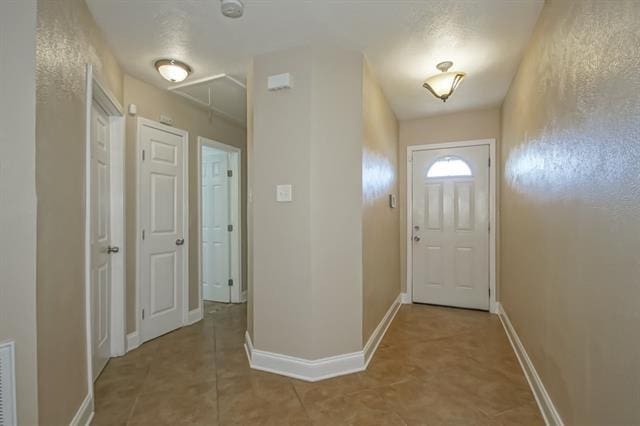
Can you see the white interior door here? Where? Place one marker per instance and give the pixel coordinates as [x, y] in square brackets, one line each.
[451, 227]
[100, 239]
[216, 270]
[161, 215]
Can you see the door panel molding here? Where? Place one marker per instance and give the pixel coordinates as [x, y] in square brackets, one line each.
[162, 155]
[491, 143]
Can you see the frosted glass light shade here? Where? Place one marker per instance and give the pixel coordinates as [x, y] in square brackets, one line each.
[172, 70]
[444, 84]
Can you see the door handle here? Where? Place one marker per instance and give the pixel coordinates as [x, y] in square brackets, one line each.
[180, 241]
[416, 238]
[113, 249]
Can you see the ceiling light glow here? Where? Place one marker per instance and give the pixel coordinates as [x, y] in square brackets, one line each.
[444, 84]
[173, 70]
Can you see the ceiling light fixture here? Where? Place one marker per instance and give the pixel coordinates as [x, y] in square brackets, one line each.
[443, 85]
[232, 8]
[173, 70]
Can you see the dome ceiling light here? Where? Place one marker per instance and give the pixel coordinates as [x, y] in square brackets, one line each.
[232, 8]
[444, 84]
[173, 70]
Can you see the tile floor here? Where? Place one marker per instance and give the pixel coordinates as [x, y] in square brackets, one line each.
[434, 366]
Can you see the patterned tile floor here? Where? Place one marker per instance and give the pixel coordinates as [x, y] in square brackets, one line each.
[435, 366]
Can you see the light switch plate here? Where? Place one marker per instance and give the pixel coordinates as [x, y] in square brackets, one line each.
[284, 193]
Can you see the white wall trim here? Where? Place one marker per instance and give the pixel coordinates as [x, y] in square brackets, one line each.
[493, 306]
[235, 200]
[195, 315]
[405, 298]
[133, 341]
[84, 415]
[545, 404]
[303, 369]
[323, 368]
[376, 337]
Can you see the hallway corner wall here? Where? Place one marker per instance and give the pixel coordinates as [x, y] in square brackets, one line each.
[18, 199]
[570, 206]
[380, 222]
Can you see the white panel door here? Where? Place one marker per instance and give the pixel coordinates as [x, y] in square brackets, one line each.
[161, 214]
[100, 239]
[216, 270]
[451, 227]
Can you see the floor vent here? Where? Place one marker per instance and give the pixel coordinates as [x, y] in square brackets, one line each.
[7, 385]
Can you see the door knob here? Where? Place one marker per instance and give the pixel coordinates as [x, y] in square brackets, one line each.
[180, 241]
[416, 238]
[113, 249]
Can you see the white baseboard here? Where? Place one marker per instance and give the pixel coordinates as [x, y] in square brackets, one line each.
[194, 316]
[376, 337]
[84, 415]
[405, 298]
[133, 341]
[548, 410]
[323, 368]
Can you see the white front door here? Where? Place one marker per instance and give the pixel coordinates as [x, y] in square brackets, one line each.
[216, 270]
[451, 227]
[100, 239]
[162, 240]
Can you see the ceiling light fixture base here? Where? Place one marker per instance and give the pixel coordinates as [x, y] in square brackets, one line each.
[444, 66]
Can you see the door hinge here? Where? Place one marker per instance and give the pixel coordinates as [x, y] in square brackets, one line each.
[143, 234]
[143, 154]
[489, 161]
[143, 314]
[230, 282]
[489, 228]
[230, 173]
[230, 228]
[489, 292]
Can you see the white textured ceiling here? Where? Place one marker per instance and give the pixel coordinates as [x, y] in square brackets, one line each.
[403, 40]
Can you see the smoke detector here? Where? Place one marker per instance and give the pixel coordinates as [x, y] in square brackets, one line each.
[232, 8]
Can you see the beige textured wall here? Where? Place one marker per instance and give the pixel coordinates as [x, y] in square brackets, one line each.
[380, 223]
[151, 103]
[18, 197]
[463, 126]
[307, 254]
[67, 39]
[281, 232]
[571, 208]
[336, 201]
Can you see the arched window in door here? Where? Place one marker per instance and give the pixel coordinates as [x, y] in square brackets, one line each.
[449, 166]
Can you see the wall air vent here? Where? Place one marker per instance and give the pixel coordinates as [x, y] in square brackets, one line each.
[7, 385]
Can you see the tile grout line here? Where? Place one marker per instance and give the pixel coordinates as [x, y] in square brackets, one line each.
[215, 366]
[135, 402]
[304, 407]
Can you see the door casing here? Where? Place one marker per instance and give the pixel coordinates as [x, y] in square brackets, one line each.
[140, 121]
[493, 306]
[97, 93]
[237, 295]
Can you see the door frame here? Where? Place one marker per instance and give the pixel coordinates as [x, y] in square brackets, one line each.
[493, 306]
[235, 198]
[141, 121]
[98, 93]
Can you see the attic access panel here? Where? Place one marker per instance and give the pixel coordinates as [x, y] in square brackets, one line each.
[221, 94]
